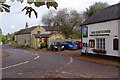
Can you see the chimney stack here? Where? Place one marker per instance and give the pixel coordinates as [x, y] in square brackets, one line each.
[26, 25]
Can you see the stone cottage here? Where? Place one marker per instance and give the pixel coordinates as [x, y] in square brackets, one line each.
[35, 35]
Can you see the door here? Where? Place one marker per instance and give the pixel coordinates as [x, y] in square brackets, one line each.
[45, 40]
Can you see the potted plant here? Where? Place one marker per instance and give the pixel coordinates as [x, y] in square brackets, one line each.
[99, 51]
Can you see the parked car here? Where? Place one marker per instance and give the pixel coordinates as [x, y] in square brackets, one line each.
[70, 45]
[79, 44]
[57, 46]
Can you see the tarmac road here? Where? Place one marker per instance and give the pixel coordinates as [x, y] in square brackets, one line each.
[32, 64]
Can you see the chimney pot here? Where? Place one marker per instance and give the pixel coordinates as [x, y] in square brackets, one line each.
[26, 25]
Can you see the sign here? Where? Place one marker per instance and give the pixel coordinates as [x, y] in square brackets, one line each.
[100, 32]
[85, 31]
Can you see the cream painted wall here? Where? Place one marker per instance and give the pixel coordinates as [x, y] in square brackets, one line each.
[54, 38]
[119, 36]
[109, 25]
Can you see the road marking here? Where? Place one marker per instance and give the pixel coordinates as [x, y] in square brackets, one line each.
[20, 73]
[25, 51]
[36, 54]
[63, 72]
[15, 65]
[71, 60]
[36, 57]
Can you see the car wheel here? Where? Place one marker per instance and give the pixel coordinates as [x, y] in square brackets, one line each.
[68, 48]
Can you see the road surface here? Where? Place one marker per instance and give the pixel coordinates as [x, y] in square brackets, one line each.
[32, 64]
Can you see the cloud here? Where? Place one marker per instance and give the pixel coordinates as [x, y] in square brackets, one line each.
[12, 27]
[16, 19]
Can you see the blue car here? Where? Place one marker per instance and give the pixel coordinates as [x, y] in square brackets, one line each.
[70, 45]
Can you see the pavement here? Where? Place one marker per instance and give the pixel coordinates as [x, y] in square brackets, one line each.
[77, 55]
[33, 64]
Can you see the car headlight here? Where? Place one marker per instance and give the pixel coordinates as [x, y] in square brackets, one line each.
[55, 46]
[70, 46]
[62, 47]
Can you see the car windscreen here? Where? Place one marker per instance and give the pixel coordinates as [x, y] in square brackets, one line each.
[57, 43]
[70, 43]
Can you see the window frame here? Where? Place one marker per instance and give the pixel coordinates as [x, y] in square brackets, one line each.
[92, 40]
[100, 43]
[38, 32]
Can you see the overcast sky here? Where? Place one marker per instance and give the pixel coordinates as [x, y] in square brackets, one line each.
[16, 19]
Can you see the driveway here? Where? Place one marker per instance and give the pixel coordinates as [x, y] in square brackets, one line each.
[32, 64]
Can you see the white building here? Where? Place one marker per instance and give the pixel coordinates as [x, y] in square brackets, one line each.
[101, 32]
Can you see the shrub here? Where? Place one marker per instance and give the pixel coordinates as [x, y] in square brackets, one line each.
[27, 46]
[43, 45]
[23, 46]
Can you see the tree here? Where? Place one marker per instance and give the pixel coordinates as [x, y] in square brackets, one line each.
[4, 41]
[64, 19]
[0, 36]
[77, 34]
[95, 7]
[29, 10]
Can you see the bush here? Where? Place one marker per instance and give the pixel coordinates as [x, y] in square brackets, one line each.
[23, 46]
[27, 46]
[43, 45]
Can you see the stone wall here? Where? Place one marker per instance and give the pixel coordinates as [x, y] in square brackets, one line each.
[23, 39]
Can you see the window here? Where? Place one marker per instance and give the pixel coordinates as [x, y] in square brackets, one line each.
[115, 44]
[91, 43]
[101, 43]
[38, 32]
[25, 40]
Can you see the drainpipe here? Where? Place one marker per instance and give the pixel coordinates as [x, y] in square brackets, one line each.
[81, 39]
[30, 39]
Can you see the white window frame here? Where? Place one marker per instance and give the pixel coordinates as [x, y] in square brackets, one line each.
[100, 40]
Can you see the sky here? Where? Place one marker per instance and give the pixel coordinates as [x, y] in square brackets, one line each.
[16, 19]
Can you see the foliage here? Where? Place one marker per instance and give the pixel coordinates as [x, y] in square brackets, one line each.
[95, 7]
[49, 3]
[43, 45]
[4, 41]
[4, 7]
[99, 51]
[77, 34]
[13, 44]
[0, 36]
[23, 46]
[64, 19]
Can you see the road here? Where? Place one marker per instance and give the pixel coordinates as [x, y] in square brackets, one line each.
[32, 64]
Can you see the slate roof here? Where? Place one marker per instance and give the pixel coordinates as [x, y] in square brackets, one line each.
[43, 35]
[26, 31]
[106, 14]
[50, 28]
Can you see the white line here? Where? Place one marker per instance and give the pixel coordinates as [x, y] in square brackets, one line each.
[15, 65]
[36, 57]
[36, 54]
[71, 60]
